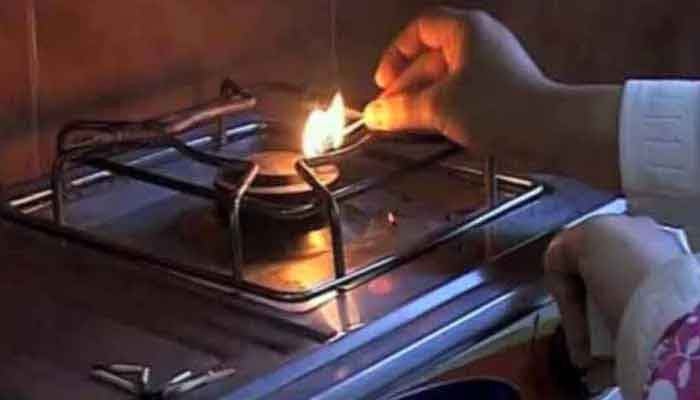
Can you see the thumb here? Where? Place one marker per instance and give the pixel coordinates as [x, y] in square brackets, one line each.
[406, 110]
[569, 292]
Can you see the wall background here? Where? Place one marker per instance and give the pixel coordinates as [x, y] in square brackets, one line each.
[66, 59]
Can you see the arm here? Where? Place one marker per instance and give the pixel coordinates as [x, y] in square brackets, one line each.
[466, 75]
[577, 132]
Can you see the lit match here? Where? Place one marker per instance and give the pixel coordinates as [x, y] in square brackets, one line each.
[325, 130]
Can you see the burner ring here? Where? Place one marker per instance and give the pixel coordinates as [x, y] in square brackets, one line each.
[278, 175]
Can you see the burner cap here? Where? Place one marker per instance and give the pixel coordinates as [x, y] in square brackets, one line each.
[277, 175]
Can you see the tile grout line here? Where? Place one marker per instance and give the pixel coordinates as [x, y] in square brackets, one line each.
[34, 71]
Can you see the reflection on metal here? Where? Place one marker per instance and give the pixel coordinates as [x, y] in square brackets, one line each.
[368, 375]
[491, 181]
[344, 317]
[317, 240]
[382, 285]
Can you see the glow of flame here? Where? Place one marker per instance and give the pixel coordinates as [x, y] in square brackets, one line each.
[324, 128]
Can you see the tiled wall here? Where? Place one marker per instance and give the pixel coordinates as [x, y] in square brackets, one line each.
[64, 59]
[18, 136]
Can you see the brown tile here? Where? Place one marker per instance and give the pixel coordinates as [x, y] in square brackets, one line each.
[18, 159]
[134, 59]
[365, 28]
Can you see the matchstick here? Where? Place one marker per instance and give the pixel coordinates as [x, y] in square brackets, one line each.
[349, 129]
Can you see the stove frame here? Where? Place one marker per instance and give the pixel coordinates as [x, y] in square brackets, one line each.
[109, 138]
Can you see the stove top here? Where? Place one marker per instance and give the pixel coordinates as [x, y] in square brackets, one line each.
[246, 214]
[365, 242]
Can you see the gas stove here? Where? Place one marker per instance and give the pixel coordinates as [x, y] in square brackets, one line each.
[246, 214]
[337, 251]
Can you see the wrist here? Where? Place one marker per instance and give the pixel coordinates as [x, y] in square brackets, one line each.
[580, 131]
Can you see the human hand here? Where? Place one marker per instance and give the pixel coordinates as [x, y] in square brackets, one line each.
[606, 258]
[462, 73]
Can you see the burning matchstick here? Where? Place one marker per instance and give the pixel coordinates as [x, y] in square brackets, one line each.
[349, 129]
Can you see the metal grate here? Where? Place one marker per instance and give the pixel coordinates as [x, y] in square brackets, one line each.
[95, 143]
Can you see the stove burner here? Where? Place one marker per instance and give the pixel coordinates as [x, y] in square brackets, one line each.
[203, 235]
[201, 229]
[278, 175]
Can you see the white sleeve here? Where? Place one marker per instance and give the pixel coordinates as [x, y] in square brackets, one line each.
[660, 151]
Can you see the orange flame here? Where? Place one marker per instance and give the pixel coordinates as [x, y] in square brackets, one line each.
[324, 128]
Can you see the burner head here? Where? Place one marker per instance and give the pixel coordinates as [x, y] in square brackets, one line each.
[277, 175]
[289, 256]
[202, 230]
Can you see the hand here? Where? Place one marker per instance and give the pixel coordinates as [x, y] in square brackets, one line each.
[462, 73]
[606, 258]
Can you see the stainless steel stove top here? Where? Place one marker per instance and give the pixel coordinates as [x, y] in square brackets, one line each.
[426, 239]
[397, 197]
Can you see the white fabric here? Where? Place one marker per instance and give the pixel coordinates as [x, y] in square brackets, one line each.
[660, 151]
[662, 298]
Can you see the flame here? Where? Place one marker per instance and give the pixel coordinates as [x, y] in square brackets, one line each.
[324, 128]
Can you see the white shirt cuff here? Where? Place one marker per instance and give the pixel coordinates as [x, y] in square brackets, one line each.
[659, 141]
[663, 297]
[660, 151]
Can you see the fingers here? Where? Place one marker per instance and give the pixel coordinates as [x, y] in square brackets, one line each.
[427, 68]
[570, 296]
[403, 105]
[442, 30]
[407, 110]
[446, 30]
[612, 255]
[391, 65]
[569, 292]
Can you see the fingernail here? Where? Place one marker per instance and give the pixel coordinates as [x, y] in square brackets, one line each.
[380, 79]
[375, 114]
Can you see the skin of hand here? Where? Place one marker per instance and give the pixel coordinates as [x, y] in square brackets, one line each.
[607, 258]
[466, 75]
